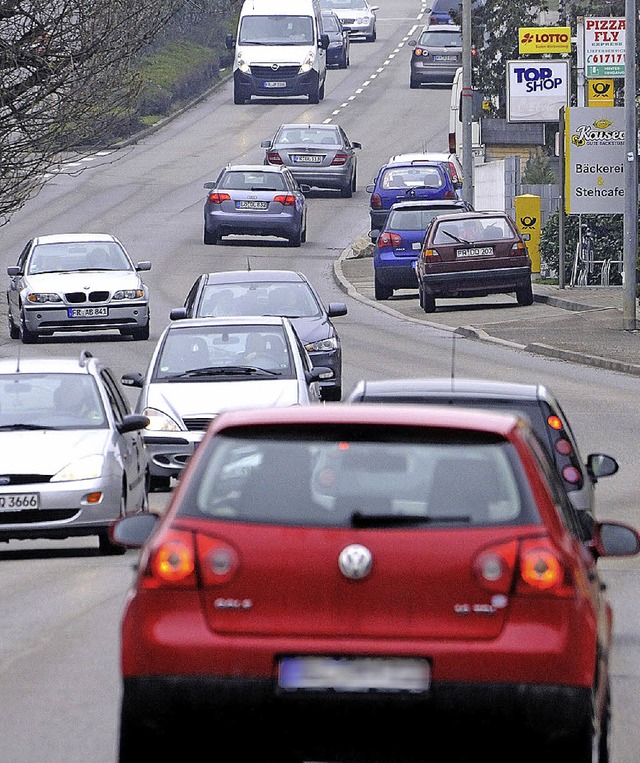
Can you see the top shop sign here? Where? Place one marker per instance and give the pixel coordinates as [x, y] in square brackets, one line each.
[536, 90]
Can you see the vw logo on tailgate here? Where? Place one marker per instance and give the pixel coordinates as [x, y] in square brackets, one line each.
[355, 561]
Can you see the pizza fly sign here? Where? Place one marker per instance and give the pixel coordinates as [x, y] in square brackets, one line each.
[604, 47]
[537, 90]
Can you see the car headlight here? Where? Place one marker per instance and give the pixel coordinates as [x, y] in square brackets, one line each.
[363, 20]
[159, 421]
[307, 64]
[243, 65]
[42, 297]
[324, 345]
[87, 468]
[129, 294]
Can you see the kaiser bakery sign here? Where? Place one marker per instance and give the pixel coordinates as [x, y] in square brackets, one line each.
[544, 39]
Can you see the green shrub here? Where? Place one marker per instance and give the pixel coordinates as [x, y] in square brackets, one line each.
[537, 170]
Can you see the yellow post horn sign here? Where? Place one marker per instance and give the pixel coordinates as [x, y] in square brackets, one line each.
[529, 223]
[600, 92]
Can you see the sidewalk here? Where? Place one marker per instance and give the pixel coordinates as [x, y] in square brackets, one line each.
[579, 324]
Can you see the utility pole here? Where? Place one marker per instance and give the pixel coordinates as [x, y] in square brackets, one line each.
[467, 105]
[630, 250]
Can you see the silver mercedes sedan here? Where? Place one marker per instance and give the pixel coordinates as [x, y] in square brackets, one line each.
[76, 282]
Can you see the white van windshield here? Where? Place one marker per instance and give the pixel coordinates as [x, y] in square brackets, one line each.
[276, 30]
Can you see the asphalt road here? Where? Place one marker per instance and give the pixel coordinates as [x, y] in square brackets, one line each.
[61, 602]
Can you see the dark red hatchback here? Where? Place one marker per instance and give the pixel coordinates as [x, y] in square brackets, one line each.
[344, 582]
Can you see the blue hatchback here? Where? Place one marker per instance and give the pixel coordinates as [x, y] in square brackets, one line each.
[398, 243]
[407, 180]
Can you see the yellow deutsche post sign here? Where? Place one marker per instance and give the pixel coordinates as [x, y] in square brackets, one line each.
[544, 39]
[600, 92]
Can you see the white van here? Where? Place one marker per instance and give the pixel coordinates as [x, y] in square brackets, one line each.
[455, 122]
[280, 50]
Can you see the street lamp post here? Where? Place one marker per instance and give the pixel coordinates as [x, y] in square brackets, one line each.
[630, 251]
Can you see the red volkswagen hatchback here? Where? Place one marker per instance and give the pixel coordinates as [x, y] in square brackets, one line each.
[345, 581]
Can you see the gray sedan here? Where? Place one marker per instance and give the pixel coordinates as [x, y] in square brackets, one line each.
[318, 155]
[76, 282]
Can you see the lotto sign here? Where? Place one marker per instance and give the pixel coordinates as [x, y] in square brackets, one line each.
[604, 47]
[536, 90]
[594, 160]
[544, 39]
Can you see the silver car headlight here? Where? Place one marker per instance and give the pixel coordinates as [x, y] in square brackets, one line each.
[307, 64]
[87, 468]
[42, 297]
[129, 294]
[363, 20]
[159, 421]
[324, 345]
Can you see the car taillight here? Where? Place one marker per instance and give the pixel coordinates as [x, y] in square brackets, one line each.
[541, 571]
[555, 422]
[218, 561]
[273, 157]
[285, 199]
[171, 561]
[419, 51]
[452, 142]
[376, 201]
[494, 567]
[218, 198]
[518, 248]
[449, 195]
[454, 172]
[339, 159]
[390, 239]
[431, 254]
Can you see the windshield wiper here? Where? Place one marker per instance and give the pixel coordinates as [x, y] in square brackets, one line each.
[360, 520]
[226, 371]
[456, 238]
[23, 427]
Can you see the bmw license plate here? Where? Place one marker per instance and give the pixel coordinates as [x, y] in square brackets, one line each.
[445, 58]
[19, 501]
[274, 84]
[306, 158]
[355, 674]
[252, 205]
[88, 312]
[476, 251]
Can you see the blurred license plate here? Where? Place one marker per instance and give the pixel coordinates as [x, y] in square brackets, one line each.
[88, 312]
[355, 674]
[253, 205]
[306, 159]
[269, 83]
[19, 501]
[444, 58]
[476, 251]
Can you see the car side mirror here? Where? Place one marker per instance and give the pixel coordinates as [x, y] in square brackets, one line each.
[336, 308]
[209, 185]
[374, 235]
[323, 42]
[412, 43]
[134, 530]
[265, 144]
[319, 373]
[132, 423]
[369, 188]
[356, 144]
[14, 271]
[229, 42]
[177, 313]
[134, 379]
[615, 539]
[144, 265]
[601, 465]
[305, 188]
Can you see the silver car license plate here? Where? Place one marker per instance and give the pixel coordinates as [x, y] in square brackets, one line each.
[445, 58]
[274, 84]
[19, 501]
[88, 312]
[355, 674]
[476, 251]
[306, 158]
[252, 205]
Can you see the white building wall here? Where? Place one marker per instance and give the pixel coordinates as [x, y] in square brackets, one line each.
[489, 186]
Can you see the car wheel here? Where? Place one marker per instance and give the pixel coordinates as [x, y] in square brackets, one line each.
[344, 61]
[303, 235]
[28, 337]
[210, 238]
[239, 98]
[591, 741]
[414, 83]
[428, 303]
[14, 331]
[372, 36]
[381, 291]
[354, 181]
[321, 92]
[159, 484]
[314, 95]
[141, 333]
[331, 394]
[296, 239]
[524, 294]
[346, 191]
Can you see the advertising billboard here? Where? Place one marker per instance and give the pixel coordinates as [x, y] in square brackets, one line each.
[537, 89]
[594, 154]
[604, 47]
[544, 39]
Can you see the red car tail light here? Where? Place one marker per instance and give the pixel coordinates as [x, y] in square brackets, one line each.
[390, 239]
[555, 422]
[449, 195]
[542, 571]
[339, 159]
[564, 447]
[454, 172]
[285, 199]
[171, 561]
[494, 567]
[572, 475]
[376, 201]
[518, 248]
[218, 560]
[218, 198]
[273, 157]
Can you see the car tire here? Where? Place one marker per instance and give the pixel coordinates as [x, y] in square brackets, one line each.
[414, 83]
[14, 331]
[524, 294]
[141, 333]
[346, 191]
[303, 235]
[354, 180]
[239, 97]
[344, 61]
[314, 94]
[321, 92]
[28, 337]
[428, 303]
[381, 291]
[296, 238]
[331, 394]
[159, 484]
[371, 37]
[209, 237]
